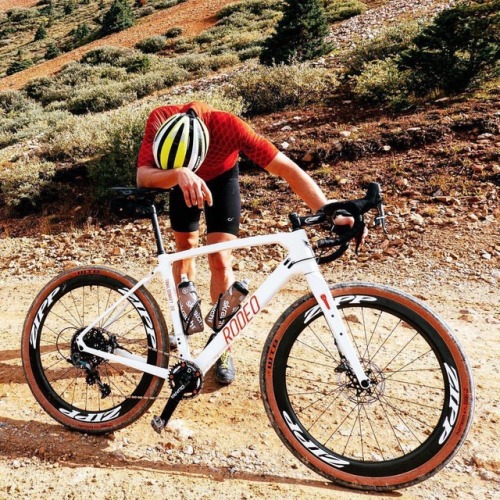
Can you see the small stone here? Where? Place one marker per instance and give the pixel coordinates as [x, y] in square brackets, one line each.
[486, 136]
[417, 219]
[308, 157]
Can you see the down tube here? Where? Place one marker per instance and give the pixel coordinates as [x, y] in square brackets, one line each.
[252, 307]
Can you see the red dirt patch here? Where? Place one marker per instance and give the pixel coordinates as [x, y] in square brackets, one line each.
[6, 5]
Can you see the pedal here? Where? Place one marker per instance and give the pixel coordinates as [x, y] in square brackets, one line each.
[185, 380]
[158, 424]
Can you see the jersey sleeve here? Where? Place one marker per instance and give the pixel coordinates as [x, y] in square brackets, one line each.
[253, 145]
[145, 157]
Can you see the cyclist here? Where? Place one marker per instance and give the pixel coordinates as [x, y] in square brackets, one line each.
[193, 149]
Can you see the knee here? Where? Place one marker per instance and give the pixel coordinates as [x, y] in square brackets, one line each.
[185, 241]
[219, 262]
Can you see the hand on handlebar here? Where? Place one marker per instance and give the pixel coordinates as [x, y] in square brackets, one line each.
[343, 220]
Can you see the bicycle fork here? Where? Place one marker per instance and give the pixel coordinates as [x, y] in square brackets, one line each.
[323, 295]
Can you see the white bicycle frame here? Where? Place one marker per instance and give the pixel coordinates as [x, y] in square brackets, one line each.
[299, 261]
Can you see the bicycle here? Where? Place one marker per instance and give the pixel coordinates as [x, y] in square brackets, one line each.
[362, 382]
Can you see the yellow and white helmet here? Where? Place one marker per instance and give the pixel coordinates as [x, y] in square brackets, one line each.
[181, 141]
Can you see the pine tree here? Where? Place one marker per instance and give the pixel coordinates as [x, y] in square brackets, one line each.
[41, 33]
[52, 51]
[300, 34]
[455, 48]
[118, 17]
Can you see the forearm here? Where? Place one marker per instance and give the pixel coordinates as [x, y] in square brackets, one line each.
[300, 182]
[194, 189]
[148, 177]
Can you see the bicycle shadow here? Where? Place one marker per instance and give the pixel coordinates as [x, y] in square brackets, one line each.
[11, 374]
[56, 444]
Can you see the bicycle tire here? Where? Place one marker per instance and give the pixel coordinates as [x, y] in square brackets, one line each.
[422, 396]
[71, 386]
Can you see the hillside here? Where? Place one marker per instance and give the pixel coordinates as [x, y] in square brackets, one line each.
[194, 16]
[437, 161]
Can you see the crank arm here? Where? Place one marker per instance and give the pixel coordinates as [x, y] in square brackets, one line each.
[159, 423]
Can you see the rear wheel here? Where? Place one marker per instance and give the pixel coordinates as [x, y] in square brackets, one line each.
[406, 426]
[82, 391]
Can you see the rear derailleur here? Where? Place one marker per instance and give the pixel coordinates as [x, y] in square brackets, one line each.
[99, 339]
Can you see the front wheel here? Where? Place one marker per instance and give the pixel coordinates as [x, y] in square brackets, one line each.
[83, 391]
[401, 430]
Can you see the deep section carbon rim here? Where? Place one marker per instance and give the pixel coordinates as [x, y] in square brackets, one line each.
[401, 423]
[79, 388]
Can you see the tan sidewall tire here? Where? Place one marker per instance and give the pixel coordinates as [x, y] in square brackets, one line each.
[338, 475]
[161, 359]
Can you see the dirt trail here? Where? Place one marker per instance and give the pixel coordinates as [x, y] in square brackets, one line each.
[221, 444]
[194, 16]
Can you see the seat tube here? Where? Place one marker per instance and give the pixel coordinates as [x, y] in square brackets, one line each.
[325, 300]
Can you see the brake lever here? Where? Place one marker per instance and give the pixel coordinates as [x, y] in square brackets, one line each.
[380, 219]
[359, 237]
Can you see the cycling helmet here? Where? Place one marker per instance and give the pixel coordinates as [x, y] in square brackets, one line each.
[181, 141]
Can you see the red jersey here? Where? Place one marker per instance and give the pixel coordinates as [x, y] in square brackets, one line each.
[229, 136]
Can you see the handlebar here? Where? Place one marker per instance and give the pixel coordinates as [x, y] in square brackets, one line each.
[343, 234]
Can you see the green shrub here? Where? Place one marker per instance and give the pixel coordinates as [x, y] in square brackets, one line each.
[53, 51]
[338, 10]
[68, 8]
[18, 15]
[461, 42]
[174, 32]
[217, 62]
[381, 81]
[145, 11]
[152, 44]
[13, 101]
[41, 33]
[23, 118]
[194, 63]
[269, 89]
[100, 98]
[137, 63]
[23, 182]
[182, 45]
[132, 60]
[249, 53]
[81, 32]
[389, 43]
[117, 166]
[19, 65]
[144, 85]
[256, 7]
[106, 54]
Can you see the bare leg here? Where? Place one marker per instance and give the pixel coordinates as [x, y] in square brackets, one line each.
[222, 278]
[185, 241]
[220, 266]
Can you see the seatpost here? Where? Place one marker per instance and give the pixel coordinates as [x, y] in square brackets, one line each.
[156, 228]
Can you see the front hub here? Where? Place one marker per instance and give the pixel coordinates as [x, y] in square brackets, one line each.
[353, 389]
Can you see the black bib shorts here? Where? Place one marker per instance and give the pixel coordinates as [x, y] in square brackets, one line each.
[222, 217]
